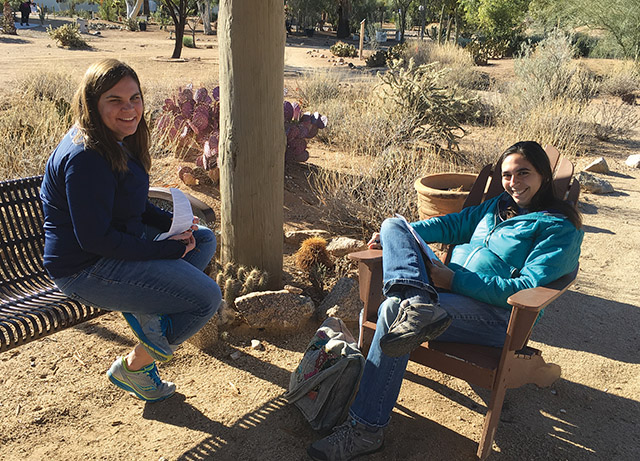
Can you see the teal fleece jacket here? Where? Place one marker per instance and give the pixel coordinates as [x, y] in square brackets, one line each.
[494, 259]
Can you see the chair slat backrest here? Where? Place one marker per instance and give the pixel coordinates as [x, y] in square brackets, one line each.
[21, 230]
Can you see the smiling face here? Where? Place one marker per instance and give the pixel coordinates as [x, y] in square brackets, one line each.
[121, 107]
[520, 179]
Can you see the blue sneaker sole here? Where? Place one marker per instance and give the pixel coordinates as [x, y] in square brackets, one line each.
[126, 387]
[157, 354]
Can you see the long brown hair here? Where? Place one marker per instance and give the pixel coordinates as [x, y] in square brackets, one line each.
[545, 198]
[100, 78]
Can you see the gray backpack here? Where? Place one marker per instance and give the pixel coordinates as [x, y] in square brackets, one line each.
[327, 379]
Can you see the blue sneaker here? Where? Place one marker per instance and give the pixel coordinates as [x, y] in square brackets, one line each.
[151, 329]
[144, 383]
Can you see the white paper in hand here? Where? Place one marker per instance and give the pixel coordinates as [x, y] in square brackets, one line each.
[423, 245]
[182, 215]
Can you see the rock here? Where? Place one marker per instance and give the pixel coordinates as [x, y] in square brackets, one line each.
[235, 355]
[341, 246]
[256, 345]
[633, 161]
[295, 238]
[343, 301]
[593, 184]
[275, 311]
[599, 165]
[292, 289]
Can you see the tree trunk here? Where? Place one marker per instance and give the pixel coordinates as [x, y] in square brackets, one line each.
[343, 20]
[8, 26]
[252, 139]
[177, 47]
[145, 9]
[440, 35]
[204, 7]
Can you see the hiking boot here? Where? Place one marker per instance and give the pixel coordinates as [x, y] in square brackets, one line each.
[151, 329]
[349, 440]
[144, 383]
[418, 320]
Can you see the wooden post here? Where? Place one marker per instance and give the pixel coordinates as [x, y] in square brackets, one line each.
[252, 140]
[361, 36]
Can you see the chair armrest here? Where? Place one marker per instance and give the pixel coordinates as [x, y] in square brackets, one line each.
[370, 281]
[367, 256]
[527, 305]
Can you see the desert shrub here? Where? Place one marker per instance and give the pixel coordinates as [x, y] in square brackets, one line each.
[374, 188]
[549, 95]
[33, 120]
[84, 14]
[612, 120]
[67, 35]
[377, 59]
[51, 86]
[623, 78]
[107, 10]
[584, 44]
[187, 41]
[362, 126]
[459, 61]
[313, 252]
[434, 110]
[132, 25]
[316, 87]
[560, 123]
[546, 72]
[343, 50]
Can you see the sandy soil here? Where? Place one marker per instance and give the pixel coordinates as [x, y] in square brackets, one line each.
[55, 402]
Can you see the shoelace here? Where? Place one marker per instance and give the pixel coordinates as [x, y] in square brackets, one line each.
[340, 433]
[152, 373]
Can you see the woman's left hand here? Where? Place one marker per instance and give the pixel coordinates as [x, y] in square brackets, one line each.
[187, 238]
[441, 275]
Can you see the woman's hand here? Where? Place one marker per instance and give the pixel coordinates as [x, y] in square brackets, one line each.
[188, 239]
[196, 221]
[441, 275]
[374, 243]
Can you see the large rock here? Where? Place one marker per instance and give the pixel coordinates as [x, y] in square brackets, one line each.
[599, 165]
[276, 311]
[343, 301]
[295, 238]
[593, 184]
[633, 161]
[341, 246]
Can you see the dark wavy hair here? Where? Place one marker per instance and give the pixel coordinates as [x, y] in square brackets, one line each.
[100, 78]
[545, 198]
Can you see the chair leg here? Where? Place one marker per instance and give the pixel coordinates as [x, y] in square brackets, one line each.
[491, 420]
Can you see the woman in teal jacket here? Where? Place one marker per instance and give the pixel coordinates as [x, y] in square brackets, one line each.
[523, 238]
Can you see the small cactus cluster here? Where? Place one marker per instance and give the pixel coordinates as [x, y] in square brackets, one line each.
[235, 280]
[312, 253]
[299, 127]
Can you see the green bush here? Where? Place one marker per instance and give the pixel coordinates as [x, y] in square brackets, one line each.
[187, 41]
[68, 36]
[343, 50]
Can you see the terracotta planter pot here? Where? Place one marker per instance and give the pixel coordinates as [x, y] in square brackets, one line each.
[442, 193]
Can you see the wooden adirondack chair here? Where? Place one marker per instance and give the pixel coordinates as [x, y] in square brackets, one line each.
[497, 369]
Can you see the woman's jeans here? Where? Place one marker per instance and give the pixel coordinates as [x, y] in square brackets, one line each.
[403, 266]
[175, 288]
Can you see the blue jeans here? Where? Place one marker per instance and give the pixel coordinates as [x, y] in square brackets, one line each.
[176, 288]
[404, 271]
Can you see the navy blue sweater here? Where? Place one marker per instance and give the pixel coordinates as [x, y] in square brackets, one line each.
[92, 212]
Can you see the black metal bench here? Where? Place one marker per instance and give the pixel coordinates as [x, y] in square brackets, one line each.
[31, 306]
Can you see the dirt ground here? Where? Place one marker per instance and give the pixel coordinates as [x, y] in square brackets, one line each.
[56, 403]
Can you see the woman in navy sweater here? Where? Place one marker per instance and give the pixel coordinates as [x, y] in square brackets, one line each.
[100, 230]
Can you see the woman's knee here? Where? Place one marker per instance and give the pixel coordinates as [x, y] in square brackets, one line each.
[387, 312]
